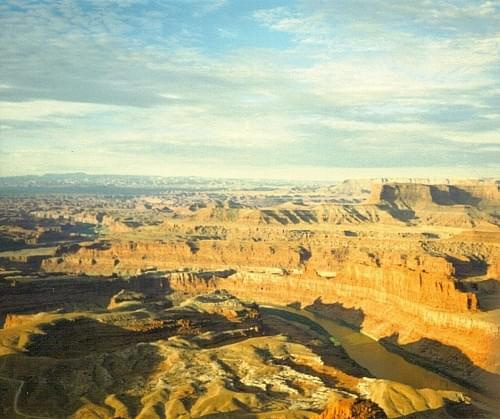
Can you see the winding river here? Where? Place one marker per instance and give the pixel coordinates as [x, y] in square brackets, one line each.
[382, 363]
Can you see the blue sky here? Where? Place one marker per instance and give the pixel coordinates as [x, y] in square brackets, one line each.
[249, 88]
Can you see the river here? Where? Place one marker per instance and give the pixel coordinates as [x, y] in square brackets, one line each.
[384, 364]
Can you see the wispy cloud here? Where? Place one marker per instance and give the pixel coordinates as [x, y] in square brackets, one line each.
[325, 84]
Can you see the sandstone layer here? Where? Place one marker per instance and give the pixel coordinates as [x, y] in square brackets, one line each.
[404, 292]
[415, 265]
[208, 355]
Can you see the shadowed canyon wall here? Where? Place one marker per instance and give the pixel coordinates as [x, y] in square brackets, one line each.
[415, 266]
[397, 287]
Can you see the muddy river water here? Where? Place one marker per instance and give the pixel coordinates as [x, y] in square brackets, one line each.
[382, 363]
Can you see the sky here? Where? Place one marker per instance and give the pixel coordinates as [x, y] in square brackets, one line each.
[306, 89]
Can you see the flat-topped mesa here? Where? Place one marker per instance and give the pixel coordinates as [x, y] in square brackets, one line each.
[404, 195]
[129, 258]
[463, 205]
[314, 214]
[419, 195]
[487, 190]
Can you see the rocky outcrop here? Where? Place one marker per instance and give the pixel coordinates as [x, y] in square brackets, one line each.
[461, 205]
[126, 299]
[318, 214]
[130, 258]
[398, 400]
[415, 267]
[210, 355]
[376, 313]
[425, 195]
[394, 287]
[384, 276]
[352, 409]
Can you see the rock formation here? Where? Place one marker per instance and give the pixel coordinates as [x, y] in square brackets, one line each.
[353, 409]
[207, 355]
[415, 265]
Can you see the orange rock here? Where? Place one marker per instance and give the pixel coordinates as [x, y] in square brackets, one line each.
[352, 409]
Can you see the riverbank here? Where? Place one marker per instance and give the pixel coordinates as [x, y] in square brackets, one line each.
[383, 363]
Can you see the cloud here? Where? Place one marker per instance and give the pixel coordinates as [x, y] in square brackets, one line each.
[319, 83]
[38, 110]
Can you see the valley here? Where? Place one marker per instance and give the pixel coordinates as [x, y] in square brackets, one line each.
[225, 299]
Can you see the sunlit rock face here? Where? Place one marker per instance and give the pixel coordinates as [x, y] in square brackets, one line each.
[406, 291]
[204, 355]
[351, 409]
[414, 266]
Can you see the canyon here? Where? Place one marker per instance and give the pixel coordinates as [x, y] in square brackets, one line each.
[90, 280]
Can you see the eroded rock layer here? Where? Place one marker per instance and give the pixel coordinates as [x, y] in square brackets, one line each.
[415, 265]
[211, 354]
[404, 291]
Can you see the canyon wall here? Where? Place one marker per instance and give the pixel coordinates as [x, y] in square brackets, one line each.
[415, 266]
[420, 278]
[466, 341]
[389, 289]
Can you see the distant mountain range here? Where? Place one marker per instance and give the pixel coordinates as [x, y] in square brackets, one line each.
[83, 182]
[80, 182]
